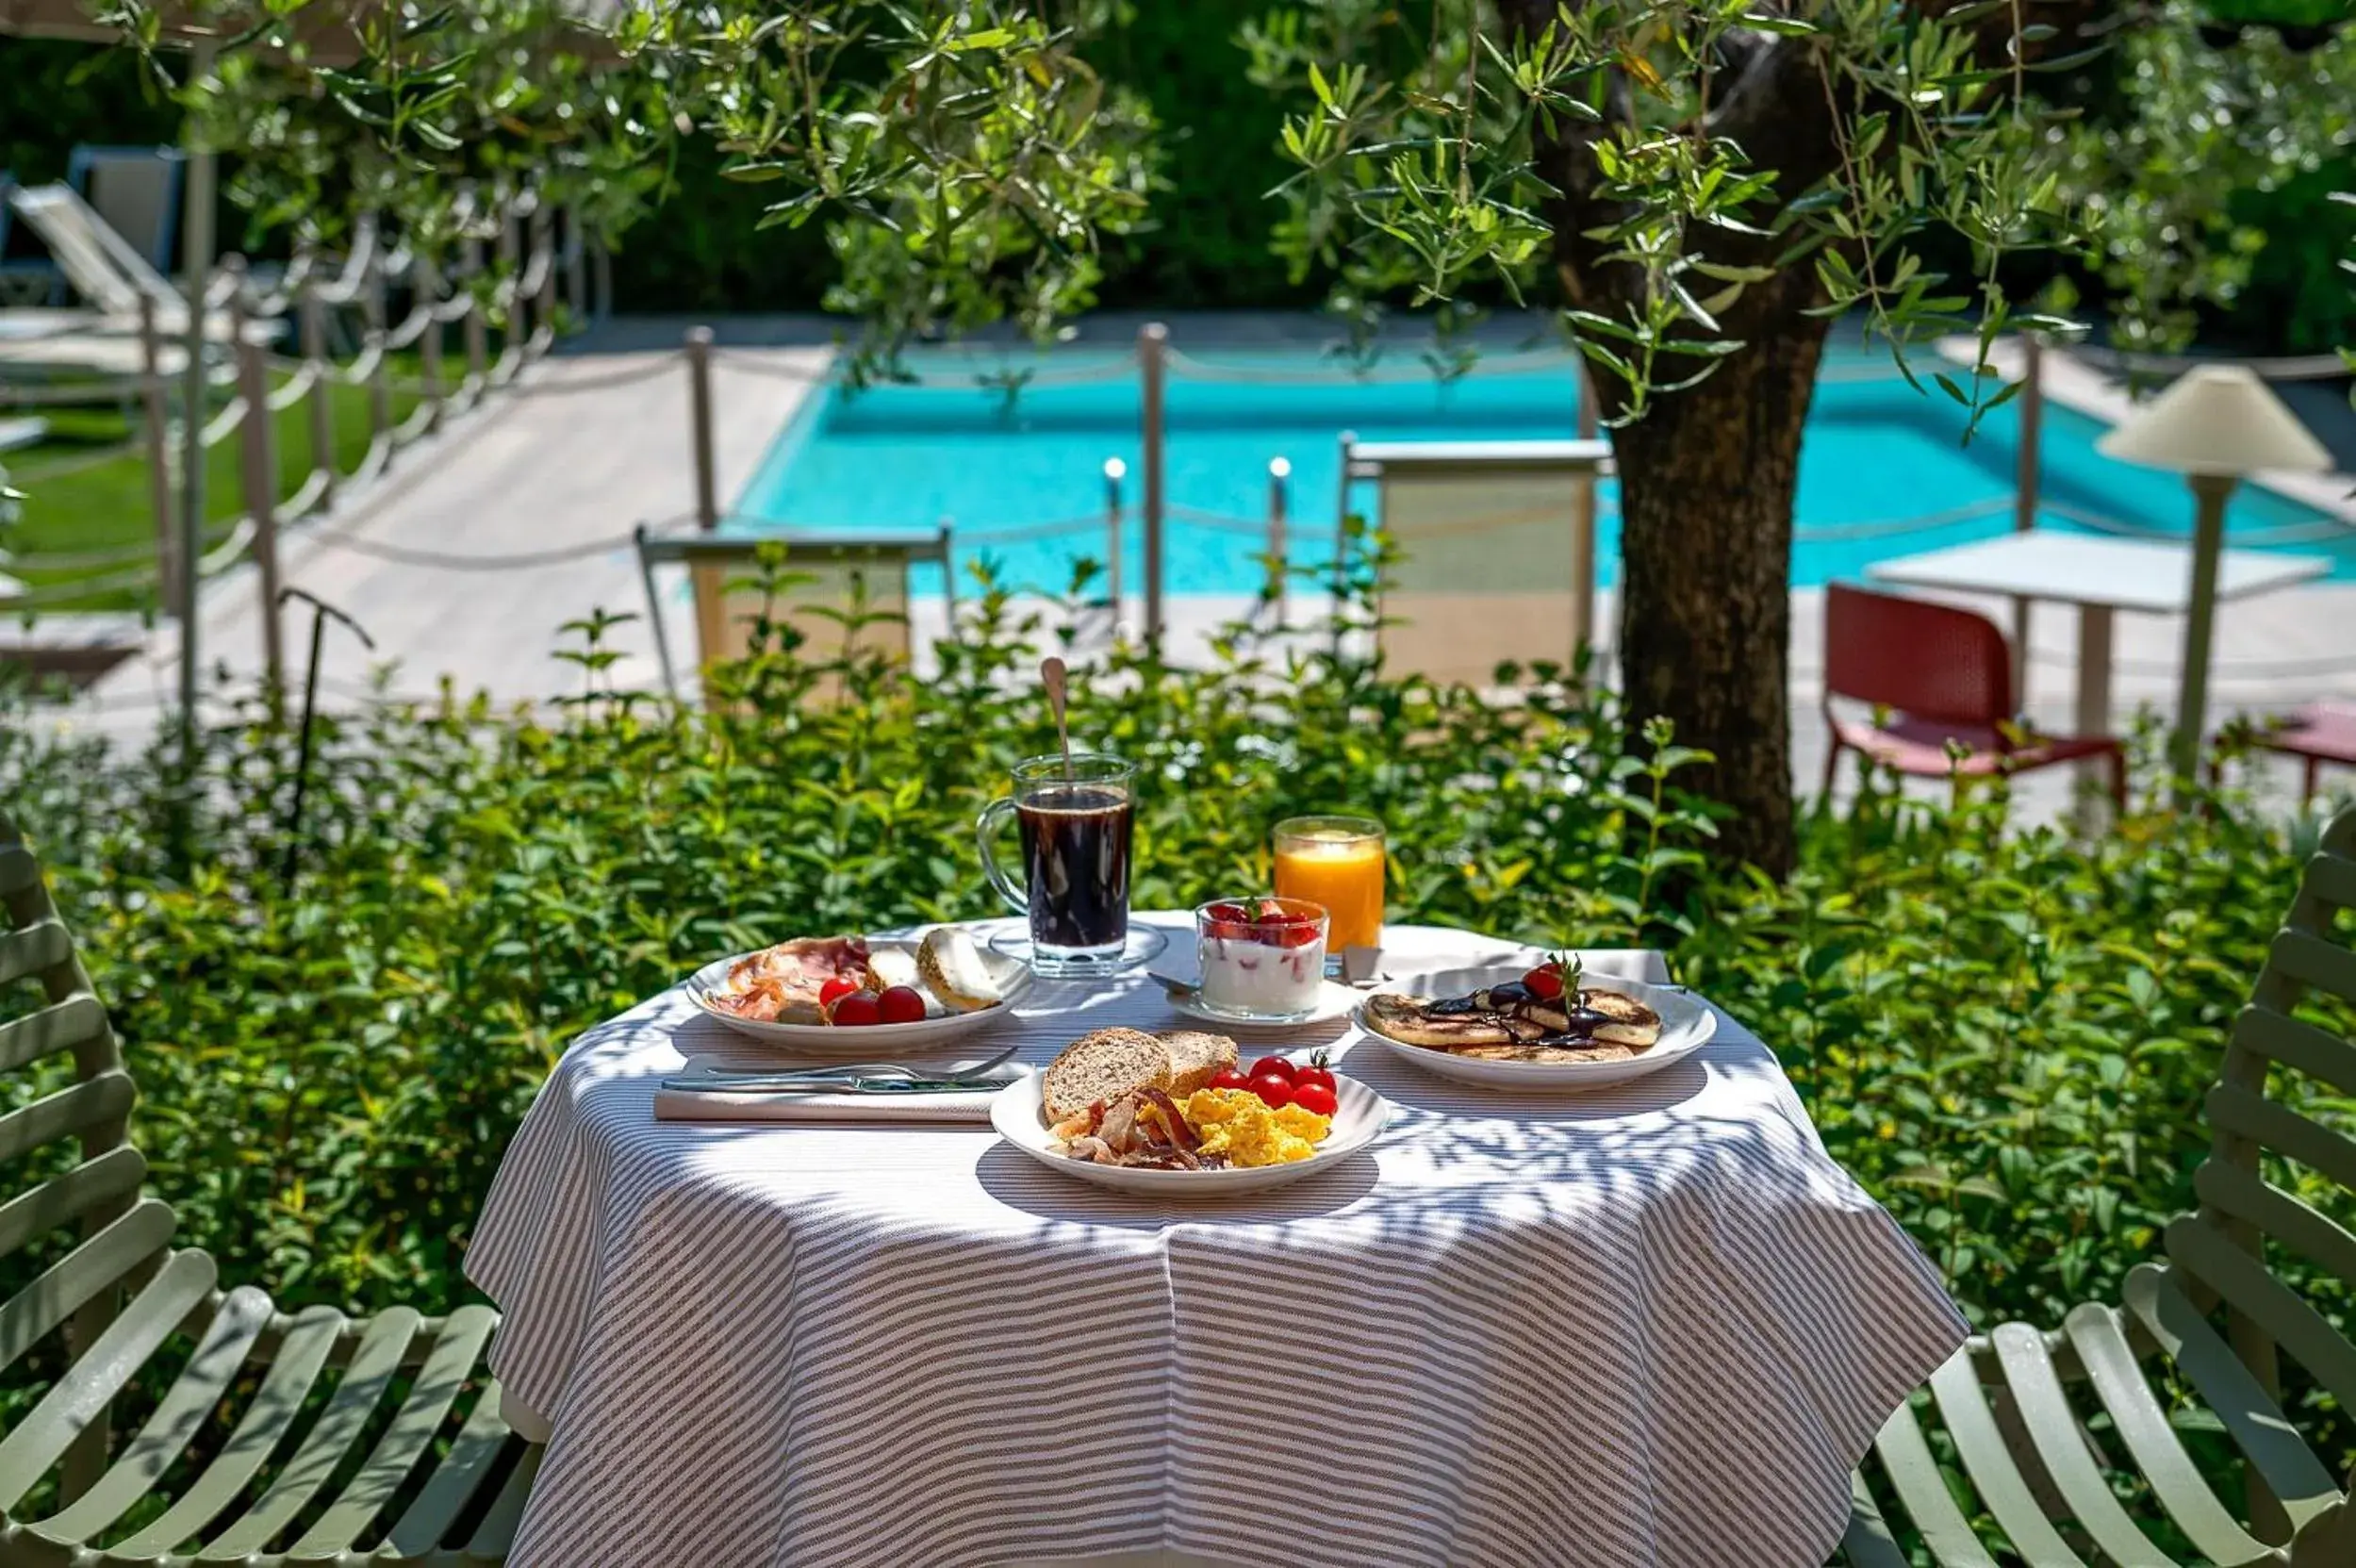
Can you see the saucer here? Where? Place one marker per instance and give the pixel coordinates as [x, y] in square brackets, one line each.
[1143, 944]
[1335, 1002]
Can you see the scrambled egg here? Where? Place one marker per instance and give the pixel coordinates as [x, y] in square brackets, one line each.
[1239, 1124]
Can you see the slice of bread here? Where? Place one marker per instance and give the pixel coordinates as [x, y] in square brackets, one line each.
[1103, 1065]
[1197, 1058]
[1110, 1063]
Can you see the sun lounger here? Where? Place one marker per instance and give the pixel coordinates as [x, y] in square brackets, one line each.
[106, 270]
[823, 575]
[1497, 547]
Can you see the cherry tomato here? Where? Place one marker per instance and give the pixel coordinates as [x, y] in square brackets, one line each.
[901, 1004]
[1228, 1078]
[1272, 1065]
[860, 1007]
[1318, 1099]
[1273, 1092]
[1312, 1076]
[1545, 983]
[835, 990]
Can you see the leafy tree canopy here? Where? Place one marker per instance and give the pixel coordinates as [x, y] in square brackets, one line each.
[1643, 164]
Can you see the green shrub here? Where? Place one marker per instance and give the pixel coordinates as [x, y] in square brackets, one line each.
[2004, 1033]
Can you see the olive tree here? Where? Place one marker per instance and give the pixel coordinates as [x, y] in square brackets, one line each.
[1700, 189]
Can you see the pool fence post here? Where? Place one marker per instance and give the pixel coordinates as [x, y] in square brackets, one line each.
[2026, 487]
[260, 465]
[1152, 340]
[576, 268]
[155, 417]
[426, 285]
[1114, 471]
[543, 256]
[477, 324]
[1341, 538]
[377, 310]
[1280, 487]
[1583, 527]
[700, 422]
[311, 321]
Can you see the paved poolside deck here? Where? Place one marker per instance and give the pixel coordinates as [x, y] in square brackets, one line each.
[465, 562]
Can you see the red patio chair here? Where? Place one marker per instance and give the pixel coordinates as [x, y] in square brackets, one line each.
[1941, 675]
[2316, 734]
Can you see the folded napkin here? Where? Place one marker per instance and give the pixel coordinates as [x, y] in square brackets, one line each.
[720, 1104]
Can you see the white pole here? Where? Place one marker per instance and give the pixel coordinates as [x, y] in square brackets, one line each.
[1152, 339]
[1279, 501]
[1114, 471]
[196, 228]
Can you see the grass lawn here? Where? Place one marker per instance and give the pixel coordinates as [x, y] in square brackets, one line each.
[109, 505]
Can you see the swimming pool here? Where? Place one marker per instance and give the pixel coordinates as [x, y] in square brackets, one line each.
[895, 458]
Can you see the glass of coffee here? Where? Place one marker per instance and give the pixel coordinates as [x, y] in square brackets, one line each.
[1075, 827]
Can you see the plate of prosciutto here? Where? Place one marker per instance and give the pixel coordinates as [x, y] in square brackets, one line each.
[847, 995]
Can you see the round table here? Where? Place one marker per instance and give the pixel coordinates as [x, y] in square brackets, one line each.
[1650, 1324]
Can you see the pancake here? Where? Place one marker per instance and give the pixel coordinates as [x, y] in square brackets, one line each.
[1517, 1027]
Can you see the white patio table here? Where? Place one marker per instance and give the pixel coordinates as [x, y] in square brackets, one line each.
[1649, 1326]
[2099, 576]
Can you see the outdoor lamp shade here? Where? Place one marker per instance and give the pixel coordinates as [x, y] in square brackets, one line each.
[2213, 426]
[2215, 420]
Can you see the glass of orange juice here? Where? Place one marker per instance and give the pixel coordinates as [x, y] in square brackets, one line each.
[1337, 862]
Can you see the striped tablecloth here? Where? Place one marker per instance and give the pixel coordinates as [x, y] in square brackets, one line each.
[1651, 1326]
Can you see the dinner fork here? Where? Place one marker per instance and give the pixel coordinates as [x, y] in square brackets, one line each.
[850, 1071]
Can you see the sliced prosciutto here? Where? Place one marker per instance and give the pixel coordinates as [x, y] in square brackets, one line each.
[781, 985]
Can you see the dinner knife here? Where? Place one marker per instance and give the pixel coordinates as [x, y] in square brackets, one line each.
[828, 1085]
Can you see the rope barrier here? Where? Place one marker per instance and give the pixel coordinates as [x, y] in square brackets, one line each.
[1523, 362]
[275, 299]
[217, 429]
[362, 370]
[1093, 523]
[1224, 521]
[66, 466]
[224, 555]
[660, 365]
[2329, 529]
[735, 359]
[71, 393]
[80, 587]
[413, 326]
[308, 494]
[2304, 366]
[453, 561]
[1883, 526]
[296, 388]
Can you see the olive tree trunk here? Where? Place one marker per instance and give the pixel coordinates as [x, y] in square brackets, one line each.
[1708, 479]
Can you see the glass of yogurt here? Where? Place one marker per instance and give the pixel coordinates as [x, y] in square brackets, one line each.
[1262, 958]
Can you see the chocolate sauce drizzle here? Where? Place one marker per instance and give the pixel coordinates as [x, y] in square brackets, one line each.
[1513, 999]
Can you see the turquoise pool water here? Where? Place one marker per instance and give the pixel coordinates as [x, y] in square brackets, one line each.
[905, 457]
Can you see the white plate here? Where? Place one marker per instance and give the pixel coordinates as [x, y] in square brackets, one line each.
[870, 1040]
[1358, 1120]
[1686, 1026]
[1336, 1000]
